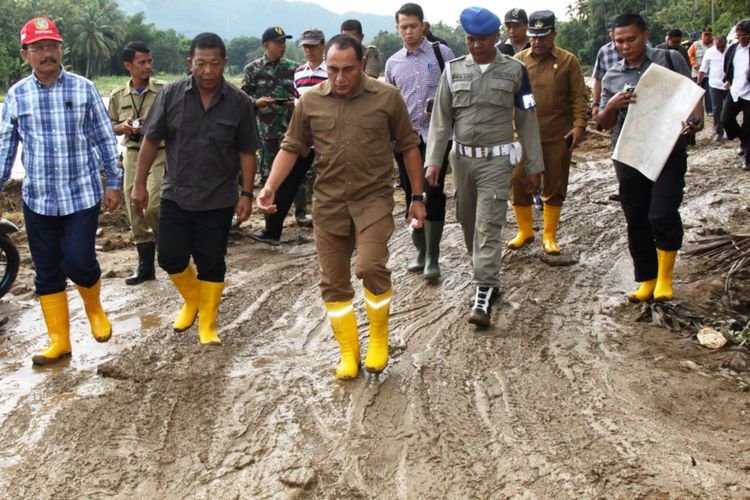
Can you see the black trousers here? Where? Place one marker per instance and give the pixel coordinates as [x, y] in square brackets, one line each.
[729, 120]
[202, 234]
[718, 97]
[286, 193]
[435, 203]
[652, 212]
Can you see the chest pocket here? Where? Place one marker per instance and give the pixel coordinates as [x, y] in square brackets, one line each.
[225, 131]
[323, 132]
[461, 92]
[501, 93]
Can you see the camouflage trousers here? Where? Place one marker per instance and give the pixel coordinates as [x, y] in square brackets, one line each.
[266, 155]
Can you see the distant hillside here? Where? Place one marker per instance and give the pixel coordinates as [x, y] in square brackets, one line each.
[232, 18]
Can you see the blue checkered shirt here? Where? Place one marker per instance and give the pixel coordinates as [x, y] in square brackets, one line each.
[66, 135]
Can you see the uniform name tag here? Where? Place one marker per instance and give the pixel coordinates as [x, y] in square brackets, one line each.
[504, 76]
[461, 77]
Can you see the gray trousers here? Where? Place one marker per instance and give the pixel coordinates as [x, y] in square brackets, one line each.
[482, 189]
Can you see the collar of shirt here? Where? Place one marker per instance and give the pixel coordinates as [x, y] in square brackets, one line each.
[151, 87]
[424, 46]
[216, 96]
[307, 67]
[552, 53]
[268, 62]
[648, 55]
[60, 78]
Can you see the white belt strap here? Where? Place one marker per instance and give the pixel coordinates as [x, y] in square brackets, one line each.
[512, 149]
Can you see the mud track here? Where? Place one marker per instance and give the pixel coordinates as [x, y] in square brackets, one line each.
[565, 396]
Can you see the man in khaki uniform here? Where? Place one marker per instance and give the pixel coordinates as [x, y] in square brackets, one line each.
[372, 56]
[128, 109]
[351, 120]
[560, 94]
[478, 98]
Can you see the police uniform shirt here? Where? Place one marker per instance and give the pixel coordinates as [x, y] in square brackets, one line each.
[203, 145]
[480, 107]
[353, 157]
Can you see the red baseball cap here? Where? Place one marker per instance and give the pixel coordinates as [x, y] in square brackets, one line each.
[39, 28]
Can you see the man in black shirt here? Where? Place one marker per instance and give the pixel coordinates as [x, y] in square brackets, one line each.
[209, 130]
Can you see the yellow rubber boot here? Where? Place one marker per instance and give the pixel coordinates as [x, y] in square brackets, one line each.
[101, 329]
[663, 290]
[644, 292]
[551, 220]
[525, 220]
[187, 284]
[209, 298]
[344, 325]
[378, 308]
[57, 318]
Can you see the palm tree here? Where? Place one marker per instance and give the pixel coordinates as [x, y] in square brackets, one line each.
[97, 35]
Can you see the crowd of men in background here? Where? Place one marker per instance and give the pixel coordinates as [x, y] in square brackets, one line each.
[506, 118]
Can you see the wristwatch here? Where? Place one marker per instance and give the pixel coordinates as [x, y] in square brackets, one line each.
[247, 194]
[417, 197]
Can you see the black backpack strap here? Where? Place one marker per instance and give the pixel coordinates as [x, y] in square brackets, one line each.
[438, 55]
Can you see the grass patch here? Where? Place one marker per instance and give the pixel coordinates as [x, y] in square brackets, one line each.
[106, 84]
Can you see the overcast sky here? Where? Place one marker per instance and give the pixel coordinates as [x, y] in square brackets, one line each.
[441, 10]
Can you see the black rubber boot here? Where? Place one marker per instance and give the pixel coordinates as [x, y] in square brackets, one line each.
[417, 265]
[433, 232]
[145, 270]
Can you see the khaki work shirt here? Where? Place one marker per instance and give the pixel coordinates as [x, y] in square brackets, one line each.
[479, 107]
[125, 103]
[559, 92]
[353, 157]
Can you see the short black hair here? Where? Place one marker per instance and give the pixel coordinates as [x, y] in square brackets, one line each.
[410, 9]
[629, 19]
[208, 41]
[674, 32]
[344, 42]
[743, 26]
[351, 25]
[128, 53]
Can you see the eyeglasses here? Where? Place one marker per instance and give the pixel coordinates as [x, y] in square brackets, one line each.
[47, 47]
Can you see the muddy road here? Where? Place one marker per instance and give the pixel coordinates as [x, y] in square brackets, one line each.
[565, 396]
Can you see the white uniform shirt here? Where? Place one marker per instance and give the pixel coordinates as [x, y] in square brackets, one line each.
[713, 66]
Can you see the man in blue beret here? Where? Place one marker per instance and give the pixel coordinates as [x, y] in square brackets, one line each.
[477, 100]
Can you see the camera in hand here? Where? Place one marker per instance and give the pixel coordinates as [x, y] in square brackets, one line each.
[137, 136]
[629, 88]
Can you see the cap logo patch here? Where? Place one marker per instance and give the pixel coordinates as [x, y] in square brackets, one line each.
[278, 30]
[41, 24]
[539, 24]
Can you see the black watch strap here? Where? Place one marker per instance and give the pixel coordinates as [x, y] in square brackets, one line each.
[247, 194]
[417, 197]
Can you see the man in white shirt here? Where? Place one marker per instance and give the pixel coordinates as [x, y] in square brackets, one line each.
[736, 65]
[713, 66]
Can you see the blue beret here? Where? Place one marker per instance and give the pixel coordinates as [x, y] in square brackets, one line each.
[479, 21]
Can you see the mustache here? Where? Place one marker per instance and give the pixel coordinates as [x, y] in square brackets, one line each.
[49, 60]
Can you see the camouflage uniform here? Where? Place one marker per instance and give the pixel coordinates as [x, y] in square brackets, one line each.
[264, 77]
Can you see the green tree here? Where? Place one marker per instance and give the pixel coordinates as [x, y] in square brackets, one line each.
[388, 42]
[238, 50]
[96, 36]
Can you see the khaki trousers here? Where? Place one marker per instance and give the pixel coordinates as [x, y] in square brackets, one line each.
[482, 187]
[145, 224]
[554, 178]
[335, 256]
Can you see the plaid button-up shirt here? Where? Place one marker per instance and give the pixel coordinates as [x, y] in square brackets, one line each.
[66, 135]
[605, 59]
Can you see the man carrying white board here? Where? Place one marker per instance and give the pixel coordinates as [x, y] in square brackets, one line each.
[651, 207]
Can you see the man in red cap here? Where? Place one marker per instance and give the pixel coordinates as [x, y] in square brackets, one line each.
[66, 133]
